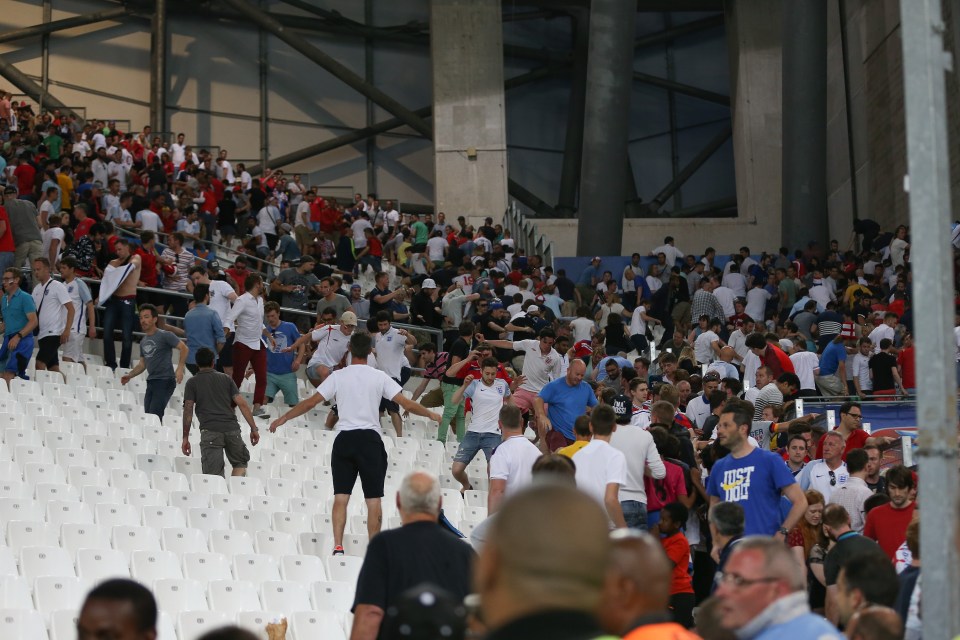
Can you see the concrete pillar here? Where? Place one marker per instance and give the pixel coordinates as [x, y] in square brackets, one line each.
[158, 67]
[755, 100]
[804, 123]
[469, 122]
[603, 177]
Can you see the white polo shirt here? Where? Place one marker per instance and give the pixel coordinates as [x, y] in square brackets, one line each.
[389, 347]
[50, 300]
[220, 294]
[331, 345]
[539, 369]
[357, 391]
[487, 402]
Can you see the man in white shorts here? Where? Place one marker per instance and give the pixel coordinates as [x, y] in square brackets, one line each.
[333, 341]
[488, 395]
[541, 364]
[358, 449]
[82, 301]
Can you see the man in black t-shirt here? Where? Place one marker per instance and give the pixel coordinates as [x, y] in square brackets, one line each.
[883, 371]
[453, 412]
[380, 295]
[419, 551]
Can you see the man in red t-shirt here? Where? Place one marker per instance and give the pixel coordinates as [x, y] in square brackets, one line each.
[887, 524]
[851, 428]
[25, 173]
[7, 247]
[770, 354]
[83, 222]
[907, 363]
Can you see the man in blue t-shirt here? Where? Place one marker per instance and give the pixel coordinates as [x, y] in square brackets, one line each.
[832, 378]
[753, 478]
[566, 399]
[282, 367]
[19, 320]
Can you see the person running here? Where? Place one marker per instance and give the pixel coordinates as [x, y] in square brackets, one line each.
[155, 350]
[357, 449]
[332, 344]
[246, 315]
[213, 395]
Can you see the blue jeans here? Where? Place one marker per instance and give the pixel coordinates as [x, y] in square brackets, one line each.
[6, 260]
[635, 514]
[473, 443]
[158, 395]
[118, 312]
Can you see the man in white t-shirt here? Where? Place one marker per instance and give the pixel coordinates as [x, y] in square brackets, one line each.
[55, 314]
[828, 473]
[357, 449]
[437, 248]
[541, 364]
[707, 345]
[807, 366]
[488, 395]
[512, 462]
[84, 318]
[885, 330]
[178, 152]
[670, 251]
[601, 468]
[390, 344]
[332, 341]
[149, 221]
[642, 459]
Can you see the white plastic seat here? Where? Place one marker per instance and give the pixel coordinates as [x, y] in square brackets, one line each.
[293, 523]
[230, 502]
[233, 596]
[48, 492]
[129, 479]
[306, 506]
[8, 563]
[344, 568]
[269, 504]
[58, 593]
[147, 566]
[22, 435]
[169, 449]
[62, 512]
[302, 568]
[121, 430]
[100, 442]
[36, 472]
[316, 624]
[15, 593]
[299, 472]
[20, 509]
[62, 440]
[146, 498]
[243, 486]
[275, 543]
[175, 595]
[10, 470]
[315, 543]
[206, 567]
[150, 462]
[45, 561]
[24, 454]
[274, 457]
[169, 481]
[110, 460]
[355, 544]
[30, 533]
[162, 517]
[183, 540]
[111, 515]
[95, 565]
[94, 495]
[337, 596]
[206, 483]
[86, 476]
[250, 521]
[256, 621]
[189, 500]
[357, 524]
[22, 623]
[256, 567]
[135, 447]
[208, 519]
[474, 513]
[189, 467]
[323, 523]
[67, 458]
[130, 539]
[193, 624]
[75, 536]
[283, 488]
[231, 542]
[286, 596]
[63, 623]
[14, 489]
[262, 470]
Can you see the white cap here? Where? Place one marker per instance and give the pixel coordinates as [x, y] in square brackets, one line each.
[428, 284]
[533, 309]
[786, 345]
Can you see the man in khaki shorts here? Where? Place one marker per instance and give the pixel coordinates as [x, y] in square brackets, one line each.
[214, 394]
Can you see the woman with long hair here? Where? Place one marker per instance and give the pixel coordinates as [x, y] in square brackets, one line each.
[809, 545]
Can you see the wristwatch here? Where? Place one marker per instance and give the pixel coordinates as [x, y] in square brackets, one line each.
[784, 531]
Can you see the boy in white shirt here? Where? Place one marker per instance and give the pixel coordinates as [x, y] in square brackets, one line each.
[602, 469]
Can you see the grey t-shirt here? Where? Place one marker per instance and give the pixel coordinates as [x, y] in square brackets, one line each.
[339, 303]
[212, 393]
[760, 430]
[298, 298]
[156, 351]
[23, 221]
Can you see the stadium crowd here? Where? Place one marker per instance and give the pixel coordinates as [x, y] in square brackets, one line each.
[665, 391]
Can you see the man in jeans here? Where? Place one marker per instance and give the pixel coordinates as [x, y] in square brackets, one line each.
[214, 394]
[488, 396]
[642, 456]
[155, 351]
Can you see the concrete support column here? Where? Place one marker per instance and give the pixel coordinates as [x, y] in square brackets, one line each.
[469, 122]
[158, 67]
[573, 141]
[755, 100]
[603, 177]
[804, 123]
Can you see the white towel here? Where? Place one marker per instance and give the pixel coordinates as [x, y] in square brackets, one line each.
[113, 277]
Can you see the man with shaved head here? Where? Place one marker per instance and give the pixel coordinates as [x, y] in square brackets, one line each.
[875, 623]
[636, 594]
[531, 586]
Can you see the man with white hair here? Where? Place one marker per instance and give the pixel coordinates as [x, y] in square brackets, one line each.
[419, 551]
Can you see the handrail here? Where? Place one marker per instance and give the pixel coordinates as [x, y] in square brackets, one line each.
[164, 234]
[526, 236]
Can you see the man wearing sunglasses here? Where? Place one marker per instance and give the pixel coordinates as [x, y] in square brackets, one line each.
[829, 473]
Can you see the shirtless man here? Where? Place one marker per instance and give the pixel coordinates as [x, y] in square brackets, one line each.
[118, 295]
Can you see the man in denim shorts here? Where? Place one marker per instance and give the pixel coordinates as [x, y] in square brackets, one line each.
[214, 394]
[488, 395]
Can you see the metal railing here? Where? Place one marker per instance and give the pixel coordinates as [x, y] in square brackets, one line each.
[210, 243]
[526, 236]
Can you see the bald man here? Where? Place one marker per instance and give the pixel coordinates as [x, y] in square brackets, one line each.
[636, 593]
[530, 584]
[399, 559]
[724, 365]
[875, 623]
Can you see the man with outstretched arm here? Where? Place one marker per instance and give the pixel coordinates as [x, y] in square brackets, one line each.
[357, 450]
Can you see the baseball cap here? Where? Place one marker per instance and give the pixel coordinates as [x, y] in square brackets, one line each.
[9, 189]
[213, 265]
[349, 318]
[622, 406]
[596, 259]
[286, 227]
[786, 345]
[496, 303]
[711, 376]
[533, 309]
[428, 284]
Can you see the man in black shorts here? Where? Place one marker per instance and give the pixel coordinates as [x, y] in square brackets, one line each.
[213, 394]
[357, 450]
[54, 315]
